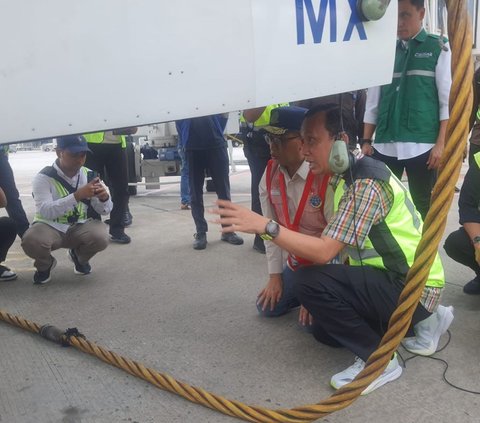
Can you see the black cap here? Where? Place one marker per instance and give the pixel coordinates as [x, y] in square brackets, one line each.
[284, 119]
[73, 143]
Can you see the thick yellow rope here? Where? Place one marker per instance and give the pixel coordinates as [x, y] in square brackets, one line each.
[457, 131]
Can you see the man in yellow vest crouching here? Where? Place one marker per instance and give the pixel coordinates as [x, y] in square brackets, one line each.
[63, 193]
[377, 225]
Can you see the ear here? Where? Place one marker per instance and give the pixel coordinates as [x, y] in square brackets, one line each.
[422, 13]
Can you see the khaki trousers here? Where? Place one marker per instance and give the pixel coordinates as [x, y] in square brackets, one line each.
[87, 239]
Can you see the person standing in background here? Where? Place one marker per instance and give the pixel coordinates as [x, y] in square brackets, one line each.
[206, 149]
[108, 156]
[409, 116]
[257, 153]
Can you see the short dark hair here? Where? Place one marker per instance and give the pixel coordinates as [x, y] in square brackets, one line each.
[419, 4]
[333, 122]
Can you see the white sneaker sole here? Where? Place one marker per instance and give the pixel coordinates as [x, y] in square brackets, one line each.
[382, 380]
[74, 268]
[432, 349]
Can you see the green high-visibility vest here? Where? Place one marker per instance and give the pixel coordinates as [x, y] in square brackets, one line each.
[391, 244]
[97, 138]
[408, 110]
[62, 192]
[476, 156]
[264, 118]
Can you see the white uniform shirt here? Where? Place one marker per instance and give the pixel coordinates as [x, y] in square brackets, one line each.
[50, 206]
[277, 257]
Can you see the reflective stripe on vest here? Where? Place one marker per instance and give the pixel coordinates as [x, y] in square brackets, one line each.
[476, 156]
[97, 138]
[396, 239]
[62, 192]
[264, 118]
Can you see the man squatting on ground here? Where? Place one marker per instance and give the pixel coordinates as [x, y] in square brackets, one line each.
[463, 245]
[377, 225]
[62, 195]
[296, 198]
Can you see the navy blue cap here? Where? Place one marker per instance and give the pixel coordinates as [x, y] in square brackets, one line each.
[73, 143]
[284, 119]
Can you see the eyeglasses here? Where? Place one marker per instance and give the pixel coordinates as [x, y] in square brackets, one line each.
[279, 139]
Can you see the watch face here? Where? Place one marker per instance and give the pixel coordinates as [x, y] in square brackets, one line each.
[272, 228]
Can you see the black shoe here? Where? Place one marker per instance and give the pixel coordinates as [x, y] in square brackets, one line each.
[42, 277]
[200, 242]
[6, 274]
[120, 238]
[232, 238]
[79, 268]
[472, 287]
[127, 219]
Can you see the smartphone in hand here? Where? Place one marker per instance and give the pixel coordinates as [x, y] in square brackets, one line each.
[91, 175]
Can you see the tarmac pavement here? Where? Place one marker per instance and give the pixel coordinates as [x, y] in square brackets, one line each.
[191, 314]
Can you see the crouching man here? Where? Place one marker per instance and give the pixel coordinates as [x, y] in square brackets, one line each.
[376, 224]
[63, 192]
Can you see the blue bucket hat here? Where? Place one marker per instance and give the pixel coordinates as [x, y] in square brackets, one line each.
[284, 119]
[73, 143]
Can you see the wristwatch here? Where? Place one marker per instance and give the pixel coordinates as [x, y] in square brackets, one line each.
[476, 239]
[272, 229]
[362, 141]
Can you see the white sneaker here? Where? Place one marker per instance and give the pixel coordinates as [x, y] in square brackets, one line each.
[429, 331]
[392, 371]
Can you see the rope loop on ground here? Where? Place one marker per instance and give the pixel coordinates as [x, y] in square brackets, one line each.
[460, 105]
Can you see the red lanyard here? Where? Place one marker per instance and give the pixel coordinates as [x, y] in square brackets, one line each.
[303, 201]
[301, 205]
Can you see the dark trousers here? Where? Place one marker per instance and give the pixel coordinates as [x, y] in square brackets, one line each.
[216, 161]
[110, 161]
[420, 179]
[257, 153]
[459, 247]
[14, 205]
[351, 306]
[8, 233]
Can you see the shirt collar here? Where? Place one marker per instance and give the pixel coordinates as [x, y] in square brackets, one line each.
[421, 36]
[61, 174]
[302, 171]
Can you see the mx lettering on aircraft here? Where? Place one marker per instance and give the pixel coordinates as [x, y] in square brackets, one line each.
[317, 17]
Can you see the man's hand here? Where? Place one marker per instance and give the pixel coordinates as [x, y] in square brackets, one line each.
[93, 189]
[367, 149]
[100, 191]
[271, 294]
[87, 191]
[238, 218]
[435, 157]
[304, 317]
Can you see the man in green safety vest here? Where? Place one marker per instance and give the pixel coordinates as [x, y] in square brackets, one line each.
[63, 193]
[410, 115]
[378, 227]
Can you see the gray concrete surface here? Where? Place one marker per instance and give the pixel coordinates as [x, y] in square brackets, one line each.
[192, 314]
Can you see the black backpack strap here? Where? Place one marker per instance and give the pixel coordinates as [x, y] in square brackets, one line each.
[52, 173]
